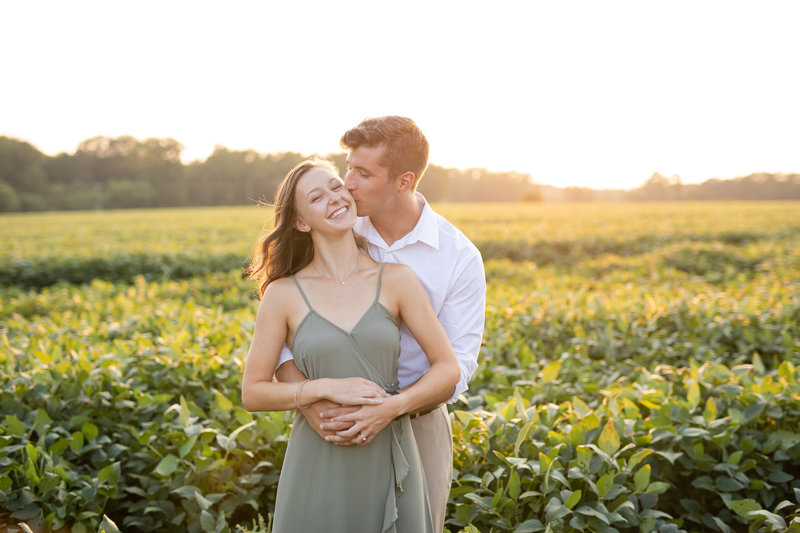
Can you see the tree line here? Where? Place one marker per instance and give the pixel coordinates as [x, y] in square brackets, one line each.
[125, 172]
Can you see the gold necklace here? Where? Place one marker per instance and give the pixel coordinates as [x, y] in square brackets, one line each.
[342, 282]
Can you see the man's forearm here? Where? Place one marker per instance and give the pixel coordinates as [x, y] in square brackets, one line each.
[289, 373]
[436, 402]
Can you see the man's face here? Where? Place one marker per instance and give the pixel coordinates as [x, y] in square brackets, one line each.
[368, 181]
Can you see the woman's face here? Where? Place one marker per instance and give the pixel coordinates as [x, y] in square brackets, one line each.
[323, 202]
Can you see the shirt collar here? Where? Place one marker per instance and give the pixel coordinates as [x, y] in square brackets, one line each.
[426, 230]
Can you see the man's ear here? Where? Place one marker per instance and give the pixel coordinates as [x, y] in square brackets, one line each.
[301, 226]
[405, 182]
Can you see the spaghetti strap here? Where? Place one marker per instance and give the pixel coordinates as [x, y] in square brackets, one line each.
[304, 294]
[380, 276]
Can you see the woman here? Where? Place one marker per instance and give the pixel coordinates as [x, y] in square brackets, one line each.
[339, 312]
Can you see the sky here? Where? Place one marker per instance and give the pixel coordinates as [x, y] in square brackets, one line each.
[574, 93]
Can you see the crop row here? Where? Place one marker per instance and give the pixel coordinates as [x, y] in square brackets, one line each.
[617, 395]
[40, 250]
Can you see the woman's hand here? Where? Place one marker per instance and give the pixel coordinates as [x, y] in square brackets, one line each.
[352, 391]
[367, 422]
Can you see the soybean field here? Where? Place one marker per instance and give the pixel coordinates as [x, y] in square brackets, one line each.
[639, 371]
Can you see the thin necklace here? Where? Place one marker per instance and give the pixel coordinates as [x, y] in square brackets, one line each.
[342, 282]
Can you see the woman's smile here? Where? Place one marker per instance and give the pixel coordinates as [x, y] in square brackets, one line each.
[339, 212]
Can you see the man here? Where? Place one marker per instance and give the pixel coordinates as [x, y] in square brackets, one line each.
[386, 159]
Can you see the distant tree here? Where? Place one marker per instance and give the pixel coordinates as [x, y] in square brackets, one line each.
[21, 166]
[9, 201]
[435, 183]
[659, 188]
[533, 195]
[578, 194]
[129, 193]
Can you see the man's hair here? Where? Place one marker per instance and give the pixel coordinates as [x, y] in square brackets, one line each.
[405, 147]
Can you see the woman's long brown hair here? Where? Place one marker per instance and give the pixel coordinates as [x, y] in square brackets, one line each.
[285, 250]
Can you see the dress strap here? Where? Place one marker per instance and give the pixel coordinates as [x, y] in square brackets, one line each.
[380, 276]
[304, 294]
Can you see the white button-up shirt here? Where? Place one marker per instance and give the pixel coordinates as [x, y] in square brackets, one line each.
[450, 269]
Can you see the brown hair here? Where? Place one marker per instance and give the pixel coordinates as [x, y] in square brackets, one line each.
[284, 250]
[405, 147]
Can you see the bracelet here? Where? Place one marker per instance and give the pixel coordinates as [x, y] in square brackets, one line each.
[297, 395]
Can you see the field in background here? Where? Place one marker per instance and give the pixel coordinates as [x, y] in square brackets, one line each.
[639, 370]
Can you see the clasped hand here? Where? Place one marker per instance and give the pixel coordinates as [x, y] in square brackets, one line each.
[353, 413]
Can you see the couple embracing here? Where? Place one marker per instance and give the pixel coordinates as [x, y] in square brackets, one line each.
[371, 319]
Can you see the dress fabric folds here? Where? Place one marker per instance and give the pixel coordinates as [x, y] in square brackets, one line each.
[376, 488]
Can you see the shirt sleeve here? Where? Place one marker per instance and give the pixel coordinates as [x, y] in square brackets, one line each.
[462, 315]
[286, 355]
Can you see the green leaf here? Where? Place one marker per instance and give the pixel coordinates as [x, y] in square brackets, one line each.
[184, 416]
[588, 511]
[202, 501]
[107, 526]
[76, 444]
[604, 484]
[207, 521]
[742, 507]
[704, 482]
[657, 487]
[187, 446]
[15, 427]
[555, 510]
[464, 513]
[727, 484]
[637, 457]
[772, 518]
[522, 435]
[758, 364]
[573, 499]
[580, 408]
[528, 526]
[609, 439]
[166, 466]
[754, 410]
[110, 473]
[694, 395]
[642, 478]
[735, 458]
[513, 485]
[778, 476]
[222, 403]
[550, 372]
[670, 456]
[235, 434]
[90, 430]
[41, 421]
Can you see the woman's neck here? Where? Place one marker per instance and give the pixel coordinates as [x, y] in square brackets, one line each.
[336, 259]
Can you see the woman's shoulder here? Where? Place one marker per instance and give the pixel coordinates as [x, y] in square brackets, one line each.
[279, 289]
[397, 273]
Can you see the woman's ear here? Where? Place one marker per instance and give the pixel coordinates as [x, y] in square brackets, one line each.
[405, 182]
[301, 226]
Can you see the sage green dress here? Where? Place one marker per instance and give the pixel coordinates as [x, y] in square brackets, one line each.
[375, 488]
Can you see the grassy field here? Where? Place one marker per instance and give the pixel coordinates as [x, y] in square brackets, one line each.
[639, 371]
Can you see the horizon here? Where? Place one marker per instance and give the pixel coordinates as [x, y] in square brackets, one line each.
[602, 96]
[184, 161]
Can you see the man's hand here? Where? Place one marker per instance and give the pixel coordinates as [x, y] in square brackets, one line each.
[366, 421]
[322, 425]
